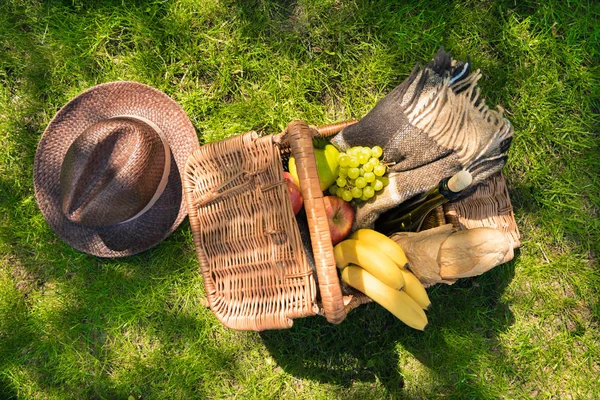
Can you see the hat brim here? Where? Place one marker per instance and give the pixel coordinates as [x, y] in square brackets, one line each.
[96, 104]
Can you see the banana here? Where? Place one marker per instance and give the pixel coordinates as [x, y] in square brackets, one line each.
[352, 251]
[415, 289]
[395, 301]
[383, 243]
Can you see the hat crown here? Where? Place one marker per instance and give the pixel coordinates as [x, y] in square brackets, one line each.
[113, 171]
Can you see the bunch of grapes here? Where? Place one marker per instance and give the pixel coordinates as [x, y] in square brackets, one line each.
[361, 174]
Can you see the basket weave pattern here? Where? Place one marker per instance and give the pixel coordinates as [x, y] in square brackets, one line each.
[255, 271]
[488, 206]
[247, 240]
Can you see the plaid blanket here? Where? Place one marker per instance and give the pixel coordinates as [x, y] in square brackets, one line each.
[431, 126]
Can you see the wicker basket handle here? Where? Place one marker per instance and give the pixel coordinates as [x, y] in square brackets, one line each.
[300, 139]
[327, 131]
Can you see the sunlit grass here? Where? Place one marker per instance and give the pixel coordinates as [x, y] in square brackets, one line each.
[75, 326]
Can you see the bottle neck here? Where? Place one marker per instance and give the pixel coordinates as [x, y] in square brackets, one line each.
[411, 218]
[445, 191]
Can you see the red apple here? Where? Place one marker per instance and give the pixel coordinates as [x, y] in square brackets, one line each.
[294, 192]
[340, 216]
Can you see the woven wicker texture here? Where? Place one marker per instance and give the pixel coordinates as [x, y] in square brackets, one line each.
[300, 139]
[105, 184]
[488, 206]
[238, 203]
[255, 271]
[130, 148]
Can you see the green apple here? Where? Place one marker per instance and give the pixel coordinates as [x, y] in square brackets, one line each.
[327, 166]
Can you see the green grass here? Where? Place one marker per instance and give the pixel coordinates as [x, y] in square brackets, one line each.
[75, 326]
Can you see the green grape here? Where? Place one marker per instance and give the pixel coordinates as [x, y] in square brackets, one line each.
[363, 158]
[379, 170]
[368, 192]
[360, 173]
[360, 182]
[376, 151]
[356, 192]
[353, 173]
[377, 185]
[370, 153]
[347, 195]
[343, 160]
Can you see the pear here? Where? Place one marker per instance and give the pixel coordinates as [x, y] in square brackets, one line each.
[327, 166]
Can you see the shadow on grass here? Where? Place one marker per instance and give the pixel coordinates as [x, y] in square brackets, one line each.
[465, 320]
[82, 327]
[71, 316]
[464, 323]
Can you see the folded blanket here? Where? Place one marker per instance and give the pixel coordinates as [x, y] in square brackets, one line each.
[431, 126]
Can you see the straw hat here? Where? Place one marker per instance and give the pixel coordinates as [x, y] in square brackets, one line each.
[108, 167]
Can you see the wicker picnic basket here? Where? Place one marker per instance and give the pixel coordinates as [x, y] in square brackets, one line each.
[249, 247]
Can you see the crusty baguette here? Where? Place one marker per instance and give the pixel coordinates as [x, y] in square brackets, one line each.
[472, 252]
[422, 250]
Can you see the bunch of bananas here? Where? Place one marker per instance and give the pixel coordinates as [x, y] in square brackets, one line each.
[377, 266]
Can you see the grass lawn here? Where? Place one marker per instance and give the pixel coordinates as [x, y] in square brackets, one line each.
[73, 326]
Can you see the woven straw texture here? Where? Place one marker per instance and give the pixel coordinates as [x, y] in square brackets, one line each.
[98, 104]
[488, 206]
[255, 271]
[247, 240]
[130, 148]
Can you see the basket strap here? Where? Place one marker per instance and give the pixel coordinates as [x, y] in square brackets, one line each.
[300, 140]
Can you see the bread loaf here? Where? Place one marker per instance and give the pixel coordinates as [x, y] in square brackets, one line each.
[471, 252]
[443, 255]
